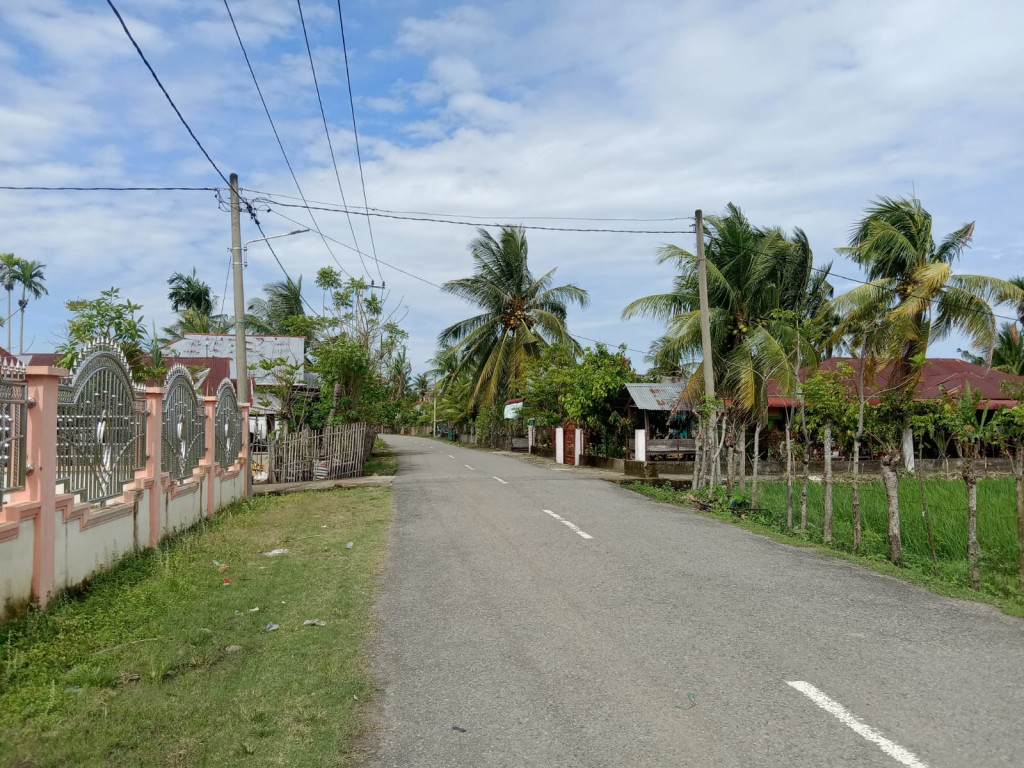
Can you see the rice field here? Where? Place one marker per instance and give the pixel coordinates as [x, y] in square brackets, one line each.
[947, 508]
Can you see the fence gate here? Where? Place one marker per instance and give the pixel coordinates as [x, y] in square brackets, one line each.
[101, 423]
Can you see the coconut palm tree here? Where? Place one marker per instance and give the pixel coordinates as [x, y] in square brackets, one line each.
[188, 292]
[421, 385]
[1007, 354]
[759, 284]
[521, 314]
[191, 321]
[913, 294]
[8, 264]
[281, 302]
[30, 276]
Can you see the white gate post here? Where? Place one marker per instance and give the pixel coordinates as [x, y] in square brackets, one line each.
[579, 446]
[641, 444]
[559, 445]
[531, 435]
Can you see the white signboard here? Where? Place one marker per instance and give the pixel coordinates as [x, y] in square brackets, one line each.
[257, 348]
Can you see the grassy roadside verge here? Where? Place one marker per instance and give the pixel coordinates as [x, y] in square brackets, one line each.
[951, 578]
[382, 461]
[144, 670]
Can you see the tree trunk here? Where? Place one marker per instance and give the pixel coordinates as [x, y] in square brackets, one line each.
[827, 525]
[789, 476]
[973, 550]
[924, 512]
[1018, 473]
[753, 479]
[336, 401]
[7, 322]
[890, 477]
[21, 330]
[729, 436]
[855, 493]
[855, 487]
[908, 449]
[698, 459]
[743, 459]
[803, 486]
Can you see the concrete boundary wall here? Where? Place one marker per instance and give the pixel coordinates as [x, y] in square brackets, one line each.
[50, 540]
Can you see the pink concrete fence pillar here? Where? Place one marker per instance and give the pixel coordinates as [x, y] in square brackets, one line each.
[41, 480]
[154, 459]
[210, 460]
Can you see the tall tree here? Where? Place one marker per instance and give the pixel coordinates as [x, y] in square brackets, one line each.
[275, 311]
[30, 275]
[913, 293]
[762, 286]
[189, 293]
[1007, 353]
[521, 314]
[8, 265]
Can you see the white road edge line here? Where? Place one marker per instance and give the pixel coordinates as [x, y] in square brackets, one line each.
[572, 526]
[503, 482]
[893, 750]
[468, 467]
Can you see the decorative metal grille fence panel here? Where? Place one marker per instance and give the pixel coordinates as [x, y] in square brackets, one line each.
[101, 422]
[228, 424]
[184, 425]
[13, 406]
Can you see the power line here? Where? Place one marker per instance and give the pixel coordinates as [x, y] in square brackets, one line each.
[277, 136]
[327, 132]
[355, 133]
[440, 287]
[360, 209]
[391, 266]
[166, 94]
[274, 254]
[477, 223]
[111, 189]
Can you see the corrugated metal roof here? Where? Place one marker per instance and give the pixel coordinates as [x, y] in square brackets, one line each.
[654, 397]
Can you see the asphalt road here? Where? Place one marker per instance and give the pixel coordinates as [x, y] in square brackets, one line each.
[664, 639]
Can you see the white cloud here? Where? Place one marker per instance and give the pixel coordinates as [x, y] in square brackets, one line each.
[799, 112]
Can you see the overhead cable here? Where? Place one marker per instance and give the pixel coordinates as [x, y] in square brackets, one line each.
[355, 133]
[327, 132]
[273, 127]
[166, 94]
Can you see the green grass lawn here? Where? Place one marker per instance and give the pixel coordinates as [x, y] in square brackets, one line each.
[947, 508]
[138, 672]
[382, 461]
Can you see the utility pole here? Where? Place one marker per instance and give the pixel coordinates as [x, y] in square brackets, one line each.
[705, 340]
[241, 363]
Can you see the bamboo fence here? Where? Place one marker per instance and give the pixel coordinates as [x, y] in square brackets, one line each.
[329, 453]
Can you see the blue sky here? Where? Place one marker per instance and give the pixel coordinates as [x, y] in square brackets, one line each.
[799, 111]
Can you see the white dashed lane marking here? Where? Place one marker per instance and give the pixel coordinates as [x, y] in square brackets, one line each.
[847, 718]
[571, 526]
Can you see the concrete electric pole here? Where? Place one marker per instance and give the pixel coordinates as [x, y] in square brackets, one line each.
[241, 362]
